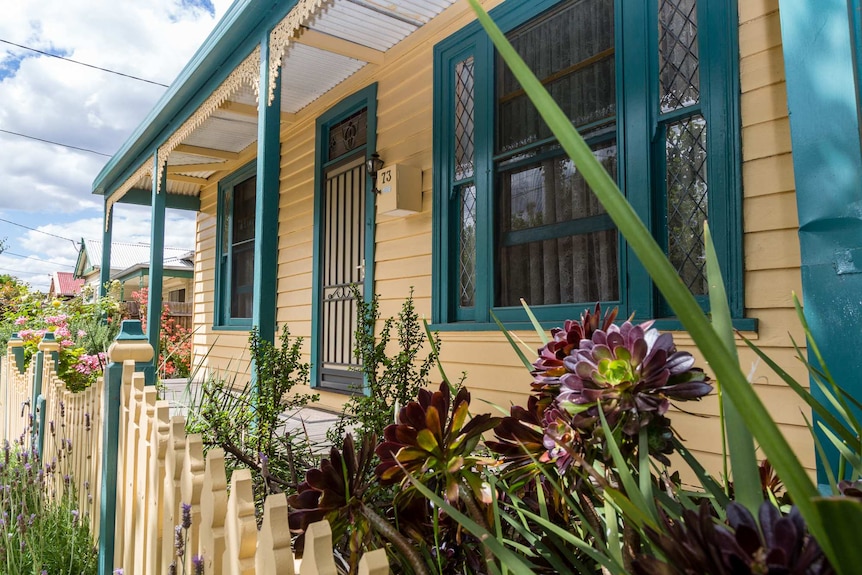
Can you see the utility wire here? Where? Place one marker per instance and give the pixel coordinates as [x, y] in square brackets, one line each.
[83, 63]
[55, 143]
[39, 231]
[8, 253]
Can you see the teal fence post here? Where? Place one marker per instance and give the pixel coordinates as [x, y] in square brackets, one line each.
[130, 344]
[17, 345]
[48, 345]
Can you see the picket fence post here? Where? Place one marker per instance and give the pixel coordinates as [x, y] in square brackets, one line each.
[135, 467]
[130, 345]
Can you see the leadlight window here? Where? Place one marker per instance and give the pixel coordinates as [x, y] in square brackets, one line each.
[513, 217]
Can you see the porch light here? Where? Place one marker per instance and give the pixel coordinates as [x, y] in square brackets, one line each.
[372, 166]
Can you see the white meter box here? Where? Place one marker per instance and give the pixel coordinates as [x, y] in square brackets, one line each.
[400, 190]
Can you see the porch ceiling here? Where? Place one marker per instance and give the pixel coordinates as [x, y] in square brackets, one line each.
[328, 47]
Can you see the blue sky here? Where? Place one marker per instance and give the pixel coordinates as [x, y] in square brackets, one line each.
[48, 187]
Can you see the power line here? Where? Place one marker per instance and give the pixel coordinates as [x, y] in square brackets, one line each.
[29, 273]
[8, 253]
[83, 63]
[39, 231]
[56, 143]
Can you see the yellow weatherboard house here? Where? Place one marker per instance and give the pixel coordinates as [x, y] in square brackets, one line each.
[327, 145]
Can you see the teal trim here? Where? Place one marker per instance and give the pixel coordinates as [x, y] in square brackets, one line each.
[745, 324]
[40, 410]
[37, 433]
[18, 353]
[157, 250]
[224, 221]
[105, 271]
[110, 455]
[855, 12]
[366, 97]
[232, 40]
[130, 330]
[641, 154]
[139, 197]
[827, 164]
[266, 204]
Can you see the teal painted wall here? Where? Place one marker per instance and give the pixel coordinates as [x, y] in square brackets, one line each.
[827, 162]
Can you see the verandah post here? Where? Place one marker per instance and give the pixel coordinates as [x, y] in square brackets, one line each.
[130, 345]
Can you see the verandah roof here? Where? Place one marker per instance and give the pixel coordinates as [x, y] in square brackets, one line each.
[209, 114]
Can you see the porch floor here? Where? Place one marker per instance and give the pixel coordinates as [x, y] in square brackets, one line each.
[308, 420]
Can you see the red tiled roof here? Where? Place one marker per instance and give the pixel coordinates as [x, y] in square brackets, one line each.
[66, 283]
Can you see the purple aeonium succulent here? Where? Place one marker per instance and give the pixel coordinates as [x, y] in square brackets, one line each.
[633, 372]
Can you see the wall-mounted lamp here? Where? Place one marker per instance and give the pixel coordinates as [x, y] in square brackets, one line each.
[372, 166]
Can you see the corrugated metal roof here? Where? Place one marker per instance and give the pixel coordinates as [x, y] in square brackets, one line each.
[65, 284]
[307, 73]
[125, 255]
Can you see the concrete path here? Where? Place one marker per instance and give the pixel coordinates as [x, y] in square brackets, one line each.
[308, 421]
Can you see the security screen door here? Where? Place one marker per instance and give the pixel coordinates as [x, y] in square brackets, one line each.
[342, 261]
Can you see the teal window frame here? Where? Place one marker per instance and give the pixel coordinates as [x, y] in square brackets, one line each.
[222, 319]
[640, 175]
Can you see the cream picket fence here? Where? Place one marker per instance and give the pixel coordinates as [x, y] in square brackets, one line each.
[158, 469]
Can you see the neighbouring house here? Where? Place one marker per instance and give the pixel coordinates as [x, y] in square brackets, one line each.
[64, 285]
[130, 265]
[270, 130]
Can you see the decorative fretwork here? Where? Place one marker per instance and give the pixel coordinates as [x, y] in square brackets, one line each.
[348, 134]
[285, 31]
[687, 200]
[678, 54]
[467, 248]
[246, 74]
[464, 115]
[146, 169]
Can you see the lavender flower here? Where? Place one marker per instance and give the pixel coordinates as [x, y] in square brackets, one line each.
[187, 515]
[197, 565]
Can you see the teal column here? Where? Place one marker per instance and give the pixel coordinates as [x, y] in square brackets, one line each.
[266, 207]
[107, 233]
[131, 344]
[157, 263]
[827, 163]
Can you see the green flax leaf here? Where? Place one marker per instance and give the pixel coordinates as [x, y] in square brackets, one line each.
[722, 362]
[743, 460]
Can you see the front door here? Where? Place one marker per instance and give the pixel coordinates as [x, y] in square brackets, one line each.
[342, 252]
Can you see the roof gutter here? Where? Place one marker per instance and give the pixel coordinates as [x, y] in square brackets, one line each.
[233, 38]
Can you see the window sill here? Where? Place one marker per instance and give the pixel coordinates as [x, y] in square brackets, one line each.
[231, 327]
[746, 324]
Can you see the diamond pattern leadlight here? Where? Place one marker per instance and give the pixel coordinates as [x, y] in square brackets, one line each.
[464, 114]
[467, 248]
[687, 200]
[679, 81]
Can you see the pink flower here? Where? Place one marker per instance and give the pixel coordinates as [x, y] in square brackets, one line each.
[25, 334]
[66, 343]
[21, 320]
[81, 333]
[63, 332]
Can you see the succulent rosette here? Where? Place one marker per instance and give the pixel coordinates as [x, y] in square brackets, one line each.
[633, 373]
[696, 543]
[550, 365]
[433, 445]
[333, 487]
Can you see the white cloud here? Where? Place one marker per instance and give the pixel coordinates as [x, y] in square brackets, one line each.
[46, 186]
[56, 100]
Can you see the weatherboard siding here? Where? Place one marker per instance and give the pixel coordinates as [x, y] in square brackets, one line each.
[403, 244]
